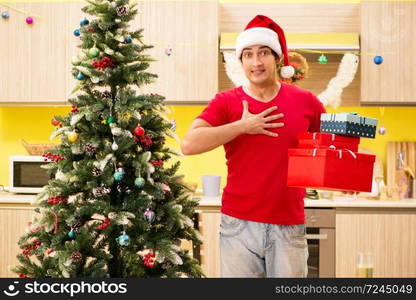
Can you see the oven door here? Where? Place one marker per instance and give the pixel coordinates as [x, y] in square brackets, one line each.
[320, 234]
[321, 247]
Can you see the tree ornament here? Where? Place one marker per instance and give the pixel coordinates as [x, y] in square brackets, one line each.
[76, 257]
[107, 95]
[100, 191]
[114, 146]
[93, 52]
[128, 40]
[72, 234]
[322, 59]
[77, 32]
[29, 20]
[123, 240]
[118, 176]
[121, 11]
[146, 141]
[57, 199]
[149, 260]
[76, 226]
[105, 224]
[90, 149]
[139, 182]
[55, 122]
[166, 188]
[52, 157]
[5, 15]
[149, 215]
[80, 76]
[84, 22]
[110, 120]
[173, 125]
[382, 130]
[168, 51]
[378, 60]
[96, 172]
[103, 63]
[139, 131]
[74, 109]
[73, 137]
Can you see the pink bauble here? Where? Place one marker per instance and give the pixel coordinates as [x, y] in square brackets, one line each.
[29, 20]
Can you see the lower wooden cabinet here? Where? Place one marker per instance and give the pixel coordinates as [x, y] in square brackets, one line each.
[389, 234]
[14, 220]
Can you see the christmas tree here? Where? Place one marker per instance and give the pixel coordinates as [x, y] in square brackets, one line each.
[113, 209]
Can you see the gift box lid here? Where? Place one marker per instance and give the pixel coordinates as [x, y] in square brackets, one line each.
[349, 117]
[338, 153]
[321, 136]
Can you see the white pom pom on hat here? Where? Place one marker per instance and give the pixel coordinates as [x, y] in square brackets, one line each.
[264, 31]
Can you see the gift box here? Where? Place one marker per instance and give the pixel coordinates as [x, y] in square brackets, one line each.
[330, 169]
[326, 140]
[349, 124]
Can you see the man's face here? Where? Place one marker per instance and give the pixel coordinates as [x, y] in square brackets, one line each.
[259, 64]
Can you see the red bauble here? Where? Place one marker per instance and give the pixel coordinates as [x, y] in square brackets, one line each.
[55, 122]
[139, 131]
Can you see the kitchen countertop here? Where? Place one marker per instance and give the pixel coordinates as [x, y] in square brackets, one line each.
[339, 201]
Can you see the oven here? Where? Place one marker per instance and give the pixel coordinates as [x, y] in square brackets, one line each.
[320, 234]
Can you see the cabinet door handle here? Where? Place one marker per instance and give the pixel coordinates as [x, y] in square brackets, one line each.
[323, 236]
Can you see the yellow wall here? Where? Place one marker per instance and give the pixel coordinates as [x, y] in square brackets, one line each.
[33, 125]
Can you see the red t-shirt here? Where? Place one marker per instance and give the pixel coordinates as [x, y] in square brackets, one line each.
[256, 187]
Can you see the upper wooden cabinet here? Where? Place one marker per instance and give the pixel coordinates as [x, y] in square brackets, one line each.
[387, 29]
[190, 28]
[35, 60]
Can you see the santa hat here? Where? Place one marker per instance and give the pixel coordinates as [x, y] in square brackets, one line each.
[264, 31]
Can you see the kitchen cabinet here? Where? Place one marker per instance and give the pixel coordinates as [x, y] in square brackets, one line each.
[14, 220]
[190, 29]
[387, 29]
[209, 227]
[388, 234]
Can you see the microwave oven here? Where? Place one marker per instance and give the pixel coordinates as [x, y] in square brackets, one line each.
[26, 174]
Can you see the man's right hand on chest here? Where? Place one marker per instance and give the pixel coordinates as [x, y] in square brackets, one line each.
[260, 123]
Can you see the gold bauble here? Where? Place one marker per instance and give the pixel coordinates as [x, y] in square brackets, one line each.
[73, 137]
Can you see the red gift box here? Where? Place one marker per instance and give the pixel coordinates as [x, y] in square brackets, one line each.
[325, 140]
[329, 169]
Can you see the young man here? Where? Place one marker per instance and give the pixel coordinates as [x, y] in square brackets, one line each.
[262, 223]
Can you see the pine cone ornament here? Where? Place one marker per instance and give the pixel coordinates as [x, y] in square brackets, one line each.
[107, 95]
[76, 226]
[90, 149]
[121, 11]
[100, 191]
[76, 256]
[96, 172]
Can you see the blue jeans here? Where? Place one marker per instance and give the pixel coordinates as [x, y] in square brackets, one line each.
[253, 249]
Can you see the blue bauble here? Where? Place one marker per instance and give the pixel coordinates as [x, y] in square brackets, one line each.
[139, 182]
[80, 76]
[128, 40]
[378, 59]
[84, 22]
[118, 176]
[5, 15]
[77, 32]
[71, 234]
[123, 240]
